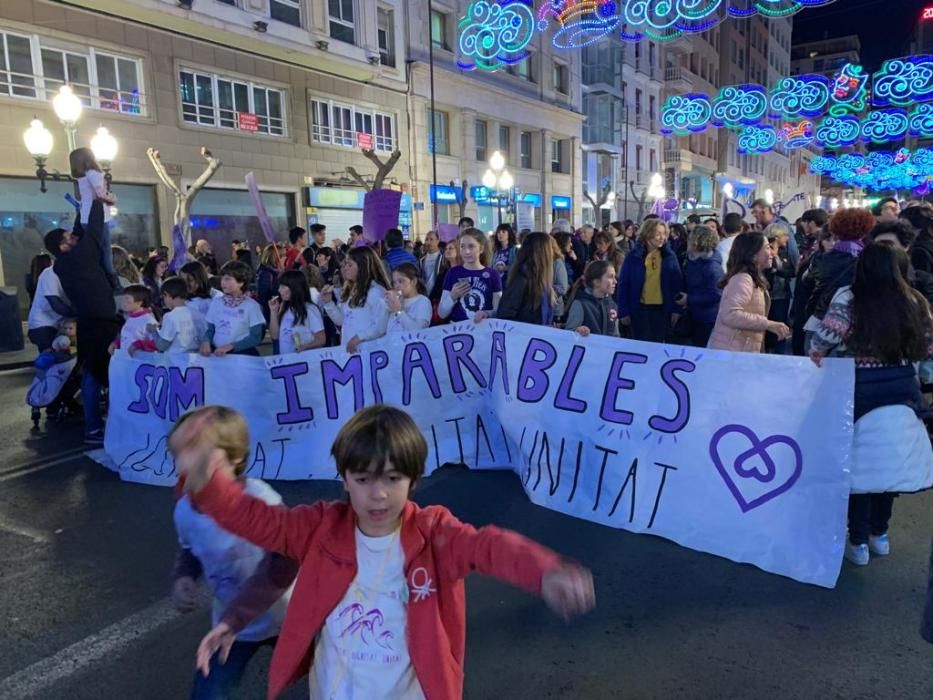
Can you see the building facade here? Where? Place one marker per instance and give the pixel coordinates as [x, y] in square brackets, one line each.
[287, 89]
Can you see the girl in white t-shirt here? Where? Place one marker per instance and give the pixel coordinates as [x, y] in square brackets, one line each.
[407, 303]
[200, 291]
[293, 320]
[235, 323]
[92, 186]
[361, 313]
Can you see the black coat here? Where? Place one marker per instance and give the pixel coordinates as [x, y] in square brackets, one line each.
[921, 253]
[513, 306]
[830, 273]
[82, 276]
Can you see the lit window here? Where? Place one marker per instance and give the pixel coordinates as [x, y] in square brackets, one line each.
[213, 100]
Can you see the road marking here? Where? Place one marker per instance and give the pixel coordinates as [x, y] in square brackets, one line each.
[33, 467]
[22, 531]
[108, 644]
[18, 370]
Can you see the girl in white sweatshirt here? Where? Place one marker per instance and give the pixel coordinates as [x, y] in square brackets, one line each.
[361, 313]
[407, 303]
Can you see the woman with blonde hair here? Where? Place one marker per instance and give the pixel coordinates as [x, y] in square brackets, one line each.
[126, 271]
[529, 296]
[650, 284]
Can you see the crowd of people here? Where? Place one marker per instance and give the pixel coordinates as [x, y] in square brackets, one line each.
[855, 284]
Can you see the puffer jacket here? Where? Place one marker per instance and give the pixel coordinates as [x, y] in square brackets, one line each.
[743, 316]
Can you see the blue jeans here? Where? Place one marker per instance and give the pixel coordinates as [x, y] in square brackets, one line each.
[106, 252]
[90, 397]
[224, 678]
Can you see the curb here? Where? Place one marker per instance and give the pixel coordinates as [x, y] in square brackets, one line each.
[15, 365]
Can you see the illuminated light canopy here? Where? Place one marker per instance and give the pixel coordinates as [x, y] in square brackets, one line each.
[793, 136]
[903, 82]
[921, 121]
[664, 20]
[885, 125]
[757, 139]
[493, 36]
[880, 170]
[800, 96]
[685, 114]
[850, 90]
[838, 132]
[739, 105]
[580, 22]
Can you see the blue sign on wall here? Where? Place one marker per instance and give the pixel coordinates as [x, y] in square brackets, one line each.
[559, 202]
[444, 194]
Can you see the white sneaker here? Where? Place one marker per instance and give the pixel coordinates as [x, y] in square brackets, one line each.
[879, 545]
[857, 553]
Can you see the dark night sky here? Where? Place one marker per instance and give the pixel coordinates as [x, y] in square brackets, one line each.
[885, 27]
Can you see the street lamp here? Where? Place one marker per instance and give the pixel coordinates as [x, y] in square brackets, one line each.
[68, 110]
[728, 191]
[769, 196]
[656, 188]
[499, 179]
[105, 150]
[38, 142]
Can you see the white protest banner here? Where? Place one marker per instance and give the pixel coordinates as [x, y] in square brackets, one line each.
[735, 454]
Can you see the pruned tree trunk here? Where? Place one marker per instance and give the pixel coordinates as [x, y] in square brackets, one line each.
[462, 201]
[640, 200]
[184, 199]
[383, 168]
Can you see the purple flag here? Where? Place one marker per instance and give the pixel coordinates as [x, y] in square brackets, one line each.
[447, 232]
[179, 252]
[265, 223]
[380, 213]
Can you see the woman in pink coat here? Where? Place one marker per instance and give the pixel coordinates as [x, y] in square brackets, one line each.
[743, 311]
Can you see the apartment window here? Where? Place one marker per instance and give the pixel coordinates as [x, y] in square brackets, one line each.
[102, 80]
[638, 102]
[481, 140]
[561, 78]
[505, 137]
[342, 27]
[228, 2]
[439, 30]
[557, 159]
[638, 161]
[525, 149]
[386, 36]
[338, 124]
[652, 51]
[214, 100]
[288, 11]
[438, 135]
[523, 69]
[651, 108]
[653, 160]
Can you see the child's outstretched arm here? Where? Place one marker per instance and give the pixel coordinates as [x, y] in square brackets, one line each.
[209, 479]
[461, 549]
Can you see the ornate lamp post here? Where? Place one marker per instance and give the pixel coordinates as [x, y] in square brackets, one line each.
[38, 142]
[499, 179]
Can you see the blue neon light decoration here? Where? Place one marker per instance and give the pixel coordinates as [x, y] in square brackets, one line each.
[739, 105]
[757, 139]
[664, 20]
[838, 132]
[885, 125]
[880, 170]
[798, 135]
[850, 90]
[921, 121]
[579, 22]
[800, 96]
[685, 114]
[903, 82]
[494, 35]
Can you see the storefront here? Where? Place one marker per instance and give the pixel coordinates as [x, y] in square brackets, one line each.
[224, 216]
[26, 215]
[339, 209]
[446, 199]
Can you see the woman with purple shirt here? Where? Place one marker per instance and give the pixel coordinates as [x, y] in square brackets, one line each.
[471, 290]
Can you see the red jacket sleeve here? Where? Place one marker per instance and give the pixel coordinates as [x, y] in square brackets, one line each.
[274, 528]
[461, 549]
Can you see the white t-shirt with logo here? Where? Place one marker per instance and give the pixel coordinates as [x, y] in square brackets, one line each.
[232, 323]
[41, 314]
[179, 328]
[362, 650]
[314, 323]
[203, 304]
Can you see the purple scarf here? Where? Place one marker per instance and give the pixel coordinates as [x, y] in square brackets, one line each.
[853, 248]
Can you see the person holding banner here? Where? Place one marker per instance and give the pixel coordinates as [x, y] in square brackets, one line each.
[200, 291]
[742, 320]
[472, 287]
[592, 307]
[235, 323]
[361, 313]
[379, 597]
[529, 296]
[450, 258]
[294, 321]
[886, 326]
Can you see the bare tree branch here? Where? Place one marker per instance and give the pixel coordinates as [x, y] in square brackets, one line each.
[157, 165]
[351, 171]
[383, 168]
[184, 200]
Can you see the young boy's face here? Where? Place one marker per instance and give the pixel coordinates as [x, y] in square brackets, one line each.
[70, 329]
[170, 302]
[378, 501]
[129, 305]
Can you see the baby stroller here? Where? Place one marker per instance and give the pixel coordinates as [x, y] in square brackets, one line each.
[54, 388]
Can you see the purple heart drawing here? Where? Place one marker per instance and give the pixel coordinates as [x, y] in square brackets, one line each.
[738, 474]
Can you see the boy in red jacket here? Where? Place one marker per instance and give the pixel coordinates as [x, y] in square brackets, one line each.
[378, 609]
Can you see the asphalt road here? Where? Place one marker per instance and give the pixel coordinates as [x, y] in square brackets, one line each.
[84, 580]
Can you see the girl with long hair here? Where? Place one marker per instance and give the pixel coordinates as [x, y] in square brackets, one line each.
[742, 320]
[649, 284]
[127, 272]
[605, 248]
[407, 302]
[92, 187]
[450, 258]
[504, 249]
[885, 325]
[270, 267]
[592, 308]
[294, 321]
[361, 312]
[473, 288]
[702, 293]
[530, 297]
[200, 291]
[153, 273]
